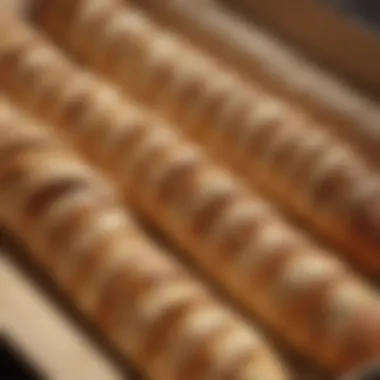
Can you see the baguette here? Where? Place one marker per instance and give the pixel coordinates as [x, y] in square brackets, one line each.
[263, 59]
[307, 296]
[322, 182]
[148, 306]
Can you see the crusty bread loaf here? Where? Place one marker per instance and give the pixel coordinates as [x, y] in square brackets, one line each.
[313, 176]
[304, 294]
[146, 304]
[267, 60]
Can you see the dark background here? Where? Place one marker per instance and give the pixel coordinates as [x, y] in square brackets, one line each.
[367, 11]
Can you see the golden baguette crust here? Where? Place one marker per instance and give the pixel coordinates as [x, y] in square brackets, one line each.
[308, 297]
[262, 58]
[313, 176]
[145, 304]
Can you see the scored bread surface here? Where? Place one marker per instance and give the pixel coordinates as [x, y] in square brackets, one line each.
[145, 304]
[307, 296]
[311, 174]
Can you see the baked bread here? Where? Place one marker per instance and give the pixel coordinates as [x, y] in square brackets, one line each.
[307, 296]
[321, 181]
[146, 304]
